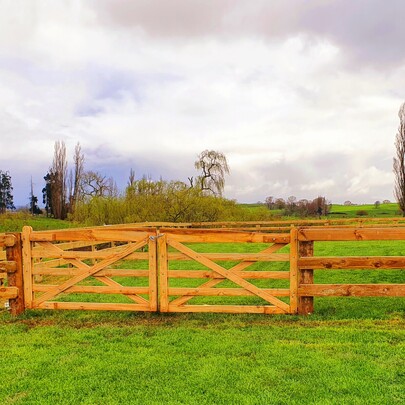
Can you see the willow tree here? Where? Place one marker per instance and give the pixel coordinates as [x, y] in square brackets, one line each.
[399, 161]
[214, 167]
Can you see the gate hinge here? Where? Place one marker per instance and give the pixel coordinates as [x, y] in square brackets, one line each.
[153, 237]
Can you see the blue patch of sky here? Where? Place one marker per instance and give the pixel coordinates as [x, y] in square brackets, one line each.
[35, 74]
[113, 84]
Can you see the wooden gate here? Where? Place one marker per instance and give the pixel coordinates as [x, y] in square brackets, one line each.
[246, 278]
[94, 268]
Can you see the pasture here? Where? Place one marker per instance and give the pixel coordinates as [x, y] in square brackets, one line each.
[351, 350]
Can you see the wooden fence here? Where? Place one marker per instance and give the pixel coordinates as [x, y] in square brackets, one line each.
[143, 268]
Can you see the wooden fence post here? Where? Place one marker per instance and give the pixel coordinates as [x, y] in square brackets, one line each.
[27, 265]
[15, 274]
[305, 303]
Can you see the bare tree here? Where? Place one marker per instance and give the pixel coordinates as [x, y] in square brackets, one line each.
[94, 184]
[58, 173]
[214, 167]
[399, 161]
[131, 178]
[75, 177]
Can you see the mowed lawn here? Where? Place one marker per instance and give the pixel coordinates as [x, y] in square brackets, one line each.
[350, 351]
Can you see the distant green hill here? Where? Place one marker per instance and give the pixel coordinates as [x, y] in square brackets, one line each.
[346, 211]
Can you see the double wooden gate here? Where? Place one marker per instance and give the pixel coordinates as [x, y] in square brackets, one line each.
[166, 270]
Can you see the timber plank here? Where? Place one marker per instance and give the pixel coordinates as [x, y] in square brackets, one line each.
[222, 292]
[103, 234]
[8, 293]
[352, 262]
[353, 290]
[258, 275]
[114, 288]
[228, 309]
[94, 306]
[251, 257]
[224, 236]
[102, 273]
[350, 234]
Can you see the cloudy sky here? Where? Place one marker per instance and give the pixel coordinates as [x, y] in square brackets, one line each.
[301, 96]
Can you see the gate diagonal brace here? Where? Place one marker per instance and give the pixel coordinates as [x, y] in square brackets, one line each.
[230, 275]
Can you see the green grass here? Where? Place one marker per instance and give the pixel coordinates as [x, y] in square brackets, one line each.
[351, 211]
[14, 222]
[350, 351]
[94, 358]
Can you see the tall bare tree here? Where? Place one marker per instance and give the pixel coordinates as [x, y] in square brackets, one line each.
[75, 177]
[58, 174]
[399, 161]
[214, 167]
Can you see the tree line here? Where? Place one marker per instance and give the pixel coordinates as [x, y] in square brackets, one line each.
[293, 207]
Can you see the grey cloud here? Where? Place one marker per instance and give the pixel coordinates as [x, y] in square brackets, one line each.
[371, 32]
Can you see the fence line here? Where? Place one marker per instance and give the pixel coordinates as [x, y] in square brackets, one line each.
[138, 268]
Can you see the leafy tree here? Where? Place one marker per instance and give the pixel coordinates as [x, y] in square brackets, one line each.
[270, 202]
[6, 196]
[399, 161]
[47, 194]
[214, 167]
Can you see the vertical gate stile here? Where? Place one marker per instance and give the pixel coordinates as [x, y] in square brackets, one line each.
[163, 273]
[153, 274]
[294, 270]
[15, 278]
[27, 266]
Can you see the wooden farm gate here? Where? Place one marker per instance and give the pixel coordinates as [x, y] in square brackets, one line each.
[62, 267]
[239, 274]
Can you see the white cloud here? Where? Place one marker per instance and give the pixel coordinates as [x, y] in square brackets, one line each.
[283, 106]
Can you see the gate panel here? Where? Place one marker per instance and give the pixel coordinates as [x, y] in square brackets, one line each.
[244, 279]
[98, 269]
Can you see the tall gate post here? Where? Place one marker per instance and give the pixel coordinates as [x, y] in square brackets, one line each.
[305, 303]
[15, 273]
[163, 273]
[294, 270]
[27, 265]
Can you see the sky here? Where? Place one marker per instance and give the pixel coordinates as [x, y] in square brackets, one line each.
[301, 96]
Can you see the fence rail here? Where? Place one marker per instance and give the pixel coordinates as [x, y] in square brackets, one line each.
[184, 269]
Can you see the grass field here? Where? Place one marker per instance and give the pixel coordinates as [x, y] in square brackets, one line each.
[350, 351]
[351, 211]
